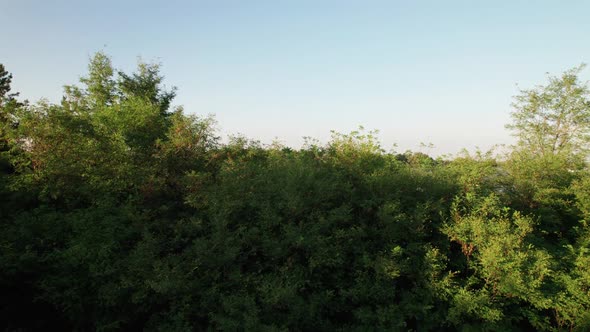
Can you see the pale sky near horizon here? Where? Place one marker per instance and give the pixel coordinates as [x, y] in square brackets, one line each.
[440, 72]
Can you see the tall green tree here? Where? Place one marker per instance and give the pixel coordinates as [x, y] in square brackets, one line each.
[5, 81]
[552, 125]
[553, 118]
[8, 118]
[100, 83]
[127, 115]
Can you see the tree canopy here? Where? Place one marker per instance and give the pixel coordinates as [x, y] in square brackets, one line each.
[554, 118]
[120, 211]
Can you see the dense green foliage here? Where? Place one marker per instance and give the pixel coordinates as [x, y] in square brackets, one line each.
[119, 212]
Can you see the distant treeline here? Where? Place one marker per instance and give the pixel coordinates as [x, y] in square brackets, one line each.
[120, 212]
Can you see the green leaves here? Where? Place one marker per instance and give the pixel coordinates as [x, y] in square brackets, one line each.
[554, 119]
[100, 83]
[503, 263]
[120, 212]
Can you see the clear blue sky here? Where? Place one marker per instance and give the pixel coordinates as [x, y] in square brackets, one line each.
[418, 71]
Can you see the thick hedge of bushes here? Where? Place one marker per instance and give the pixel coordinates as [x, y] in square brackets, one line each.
[120, 212]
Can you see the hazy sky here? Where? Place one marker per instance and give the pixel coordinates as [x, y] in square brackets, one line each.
[418, 71]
